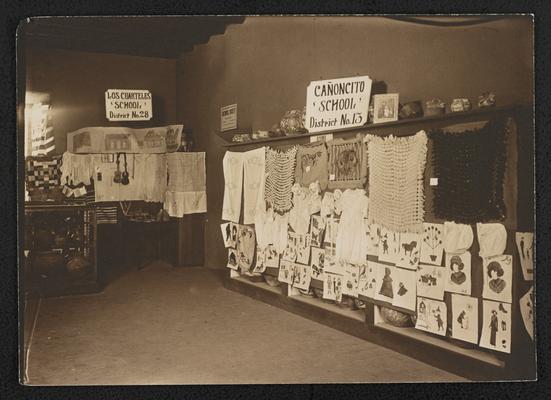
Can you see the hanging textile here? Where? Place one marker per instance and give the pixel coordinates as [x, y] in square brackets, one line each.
[42, 172]
[186, 188]
[347, 166]
[152, 170]
[351, 245]
[470, 166]
[312, 165]
[233, 184]
[106, 215]
[492, 239]
[76, 168]
[306, 201]
[107, 189]
[396, 169]
[280, 170]
[254, 170]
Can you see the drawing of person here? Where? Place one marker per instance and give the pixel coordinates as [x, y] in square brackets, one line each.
[456, 265]
[422, 309]
[228, 233]
[438, 317]
[402, 289]
[493, 327]
[234, 233]
[232, 260]
[385, 244]
[463, 319]
[495, 272]
[386, 287]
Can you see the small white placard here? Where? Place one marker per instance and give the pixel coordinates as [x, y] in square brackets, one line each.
[128, 105]
[332, 177]
[434, 181]
[321, 138]
[228, 117]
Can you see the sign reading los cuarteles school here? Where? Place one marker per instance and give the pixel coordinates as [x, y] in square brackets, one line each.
[128, 105]
[337, 103]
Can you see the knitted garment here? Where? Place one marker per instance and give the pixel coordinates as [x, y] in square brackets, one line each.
[470, 166]
[347, 166]
[312, 165]
[396, 168]
[280, 172]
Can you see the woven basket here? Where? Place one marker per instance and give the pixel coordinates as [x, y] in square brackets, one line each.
[395, 318]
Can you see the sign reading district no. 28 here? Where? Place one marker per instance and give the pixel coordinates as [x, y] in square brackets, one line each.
[128, 105]
[337, 103]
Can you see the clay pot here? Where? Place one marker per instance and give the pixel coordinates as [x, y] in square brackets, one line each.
[271, 280]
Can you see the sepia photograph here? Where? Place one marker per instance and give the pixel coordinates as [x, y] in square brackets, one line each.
[299, 199]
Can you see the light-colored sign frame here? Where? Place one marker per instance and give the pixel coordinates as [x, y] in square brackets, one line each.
[228, 118]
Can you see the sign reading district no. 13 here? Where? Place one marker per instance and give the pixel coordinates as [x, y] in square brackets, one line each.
[337, 103]
[128, 105]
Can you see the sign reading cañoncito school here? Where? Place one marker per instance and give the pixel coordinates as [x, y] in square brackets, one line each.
[337, 103]
[128, 105]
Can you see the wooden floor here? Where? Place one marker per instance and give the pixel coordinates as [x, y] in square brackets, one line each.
[165, 325]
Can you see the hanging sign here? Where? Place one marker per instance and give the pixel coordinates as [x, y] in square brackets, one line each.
[128, 105]
[337, 103]
[228, 117]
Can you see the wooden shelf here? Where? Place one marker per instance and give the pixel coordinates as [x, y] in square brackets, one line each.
[480, 112]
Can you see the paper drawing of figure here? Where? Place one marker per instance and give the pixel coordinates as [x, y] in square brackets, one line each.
[402, 289]
[463, 320]
[525, 243]
[493, 327]
[386, 287]
[456, 265]
[495, 272]
[438, 318]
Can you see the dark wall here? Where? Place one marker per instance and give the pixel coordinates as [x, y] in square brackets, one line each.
[76, 83]
[265, 64]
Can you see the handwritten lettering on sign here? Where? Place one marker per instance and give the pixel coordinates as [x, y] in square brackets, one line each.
[128, 105]
[337, 103]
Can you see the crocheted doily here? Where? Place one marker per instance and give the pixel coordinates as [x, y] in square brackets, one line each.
[280, 176]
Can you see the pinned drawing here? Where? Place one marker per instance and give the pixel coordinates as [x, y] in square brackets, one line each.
[350, 280]
[286, 269]
[260, 264]
[272, 257]
[366, 281]
[246, 242]
[498, 276]
[301, 276]
[405, 289]
[389, 246]
[290, 252]
[458, 273]
[465, 318]
[232, 259]
[330, 237]
[229, 234]
[317, 230]
[496, 326]
[527, 311]
[373, 238]
[432, 316]
[303, 249]
[525, 246]
[384, 283]
[430, 281]
[432, 245]
[332, 287]
[409, 250]
[317, 263]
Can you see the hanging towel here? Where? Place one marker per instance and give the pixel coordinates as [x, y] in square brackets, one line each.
[254, 162]
[186, 188]
[233, 185]
[458, 238]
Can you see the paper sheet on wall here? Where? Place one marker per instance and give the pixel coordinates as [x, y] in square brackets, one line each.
[389, 246]
[432, 245]
[350, 280]
[527, 311]
[458, 273]
[317, 263]
[367, 282]
[430, 281]
[332, 287]
[373, 237]
[232, 259]
[405, 289]
[525, 246]
[496, 326]
[432, 316]
[260, 264]
[272, 257]
[229, 234]
[409, 250]
[317, 230]
[303, 248]
[498, 278]
[465, 318]
[290, 252]
[302, 276]
[285, 271]
[384, 287]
